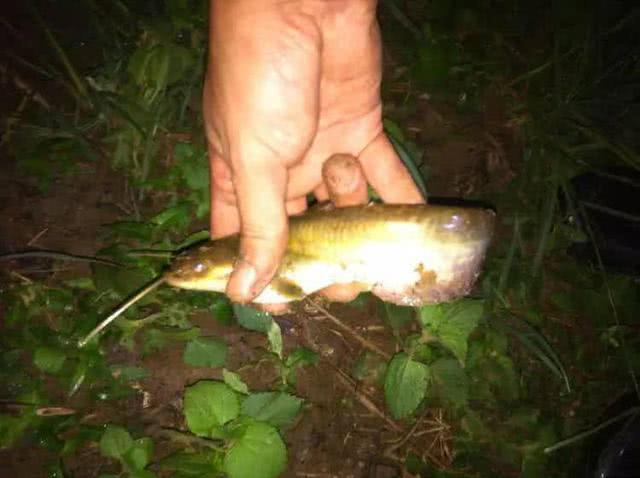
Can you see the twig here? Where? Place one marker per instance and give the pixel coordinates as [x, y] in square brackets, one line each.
[391, 448]
[37, 237]
[366, 401]
[364, 342]
[22, 278]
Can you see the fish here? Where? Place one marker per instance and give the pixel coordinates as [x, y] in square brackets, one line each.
[406, 254]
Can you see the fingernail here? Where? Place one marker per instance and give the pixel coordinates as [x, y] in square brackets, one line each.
[243, 280]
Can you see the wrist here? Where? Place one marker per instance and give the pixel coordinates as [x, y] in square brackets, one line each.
[312, 7]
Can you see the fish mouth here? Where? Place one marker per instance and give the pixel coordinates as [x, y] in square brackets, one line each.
[177, 280]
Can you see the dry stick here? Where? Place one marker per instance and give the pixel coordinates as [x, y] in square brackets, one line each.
[35, 238]
[413, 433]
[364, 342]
[22, 278]
[393, 447]
[367, 402]
[116, 313]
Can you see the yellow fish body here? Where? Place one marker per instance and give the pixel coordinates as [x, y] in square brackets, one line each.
[405, 254]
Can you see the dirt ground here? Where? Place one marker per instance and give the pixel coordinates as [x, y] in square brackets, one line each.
[335, 436]
[343, 431]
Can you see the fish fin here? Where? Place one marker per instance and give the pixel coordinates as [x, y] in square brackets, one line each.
[286, 288]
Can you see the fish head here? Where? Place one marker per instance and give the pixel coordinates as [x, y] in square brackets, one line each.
[204, 267]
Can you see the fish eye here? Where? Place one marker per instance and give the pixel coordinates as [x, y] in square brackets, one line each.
[199, 267]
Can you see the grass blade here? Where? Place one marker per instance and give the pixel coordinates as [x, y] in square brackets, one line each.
[410, 164]
[538, 344]
[580, 436]
[80, 88]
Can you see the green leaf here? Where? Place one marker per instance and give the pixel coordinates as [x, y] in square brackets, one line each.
[141, 231]
[208, 405]
[194, 170]
[277, 408]
[450, 381]
[156, 338]
[115, 442]
[205, 352]
[234, 381]
[16, 313]
[124, 281]
[405, 385]
[370, 368]
[472, 425]
[361, 300]
[258, 452]
[252, 319]
[175, 216]
[139, 455]
[431, 315]
[11, 429]
[193, 239]
[397, 316]
[491, 372]
[407, 159]
[222, 310]
[141, 474]
[48, 359]
[275, 339]
[198, 465]
[393, 129]
[83, 283]
[300, 357]
[451, 324]
[83, 434]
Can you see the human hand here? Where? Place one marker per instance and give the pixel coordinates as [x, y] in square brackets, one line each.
[288, 85]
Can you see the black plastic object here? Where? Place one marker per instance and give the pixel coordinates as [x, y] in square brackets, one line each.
[605, 206]
[615, 451]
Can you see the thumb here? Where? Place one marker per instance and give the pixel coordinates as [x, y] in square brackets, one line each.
[345, 180]
[260, 190]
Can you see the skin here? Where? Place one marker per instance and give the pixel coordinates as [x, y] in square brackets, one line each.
[290, 84]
